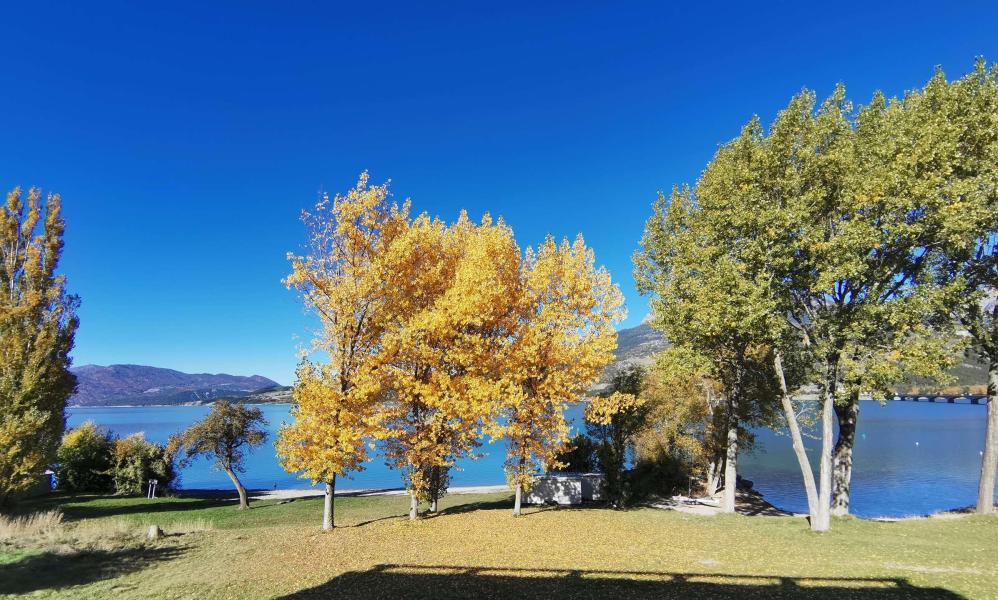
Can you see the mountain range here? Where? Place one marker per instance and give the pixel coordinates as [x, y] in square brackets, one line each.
[636, 347]
[138, 385]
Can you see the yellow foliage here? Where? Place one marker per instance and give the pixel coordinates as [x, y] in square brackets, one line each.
[563, 340]
[37, 325]
[343, 281]
[327, 437]
[438, 334]
[602, 409]
[440, 356]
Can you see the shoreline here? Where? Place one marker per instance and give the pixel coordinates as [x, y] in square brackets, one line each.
[749, 503]
[288, 494]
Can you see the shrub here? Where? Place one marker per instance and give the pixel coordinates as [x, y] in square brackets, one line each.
[136, 461]
[579, 454]
[614, 421]
[659, 475]
[84, 459]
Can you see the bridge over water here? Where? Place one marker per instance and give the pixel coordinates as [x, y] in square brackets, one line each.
[958, 399]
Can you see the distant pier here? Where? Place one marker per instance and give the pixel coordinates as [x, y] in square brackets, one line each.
[942, 398]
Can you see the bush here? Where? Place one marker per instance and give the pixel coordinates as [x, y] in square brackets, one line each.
[579, 455]
[661, 475]
[92, 459]
[84, 459]
[136, 461]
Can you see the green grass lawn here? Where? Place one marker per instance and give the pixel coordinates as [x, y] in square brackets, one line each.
[473, 548]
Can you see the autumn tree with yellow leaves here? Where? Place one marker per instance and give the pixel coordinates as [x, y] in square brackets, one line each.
[436, 336]
[37, 326]
[563, 340]
[343, 281]
[439, 358]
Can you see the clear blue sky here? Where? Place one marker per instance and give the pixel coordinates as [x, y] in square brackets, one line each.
[186, 139]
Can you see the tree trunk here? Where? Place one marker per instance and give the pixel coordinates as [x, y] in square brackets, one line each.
[731, 457]
[848, 415]
[413, 506]
[620, 458]
[797, 439]
[989, 461]
[714, 475]
[327, 506]
[434, 487]
[243, 501]
[520, 466]
[823, 520]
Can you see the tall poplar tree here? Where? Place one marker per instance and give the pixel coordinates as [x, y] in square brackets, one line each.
[342, 280]
[563, 340]
[707, 304]
[37, 325]
[970, 238]
[438, 359]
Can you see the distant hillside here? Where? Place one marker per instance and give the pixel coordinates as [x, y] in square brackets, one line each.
[141, 385]
[280, 394]
[636, 346]
[970, 377]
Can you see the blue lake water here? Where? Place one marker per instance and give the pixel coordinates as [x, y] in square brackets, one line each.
[910, 458]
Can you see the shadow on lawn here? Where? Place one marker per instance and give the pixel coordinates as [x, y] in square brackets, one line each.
[76, 510]
[528, 509]
[90, 507]
[56, 570]
[467, 507]
[431, 581]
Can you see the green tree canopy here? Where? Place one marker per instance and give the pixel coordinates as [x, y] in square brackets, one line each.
[818, 239]
[223, 436]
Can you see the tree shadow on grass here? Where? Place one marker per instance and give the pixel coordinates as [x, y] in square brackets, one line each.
[370, 521]
[455, 509]
[57, 570]
[440, 582]
[88, 507]
[467, 507]
[77, 511]
[507, 504]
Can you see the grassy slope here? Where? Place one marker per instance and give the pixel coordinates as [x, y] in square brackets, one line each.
[474, 548]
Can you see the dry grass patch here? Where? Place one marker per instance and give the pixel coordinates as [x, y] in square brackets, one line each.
[29, 526]
[190, 526]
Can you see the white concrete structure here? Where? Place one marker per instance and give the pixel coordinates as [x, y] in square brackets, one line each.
[566, 489]
[555, 489]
